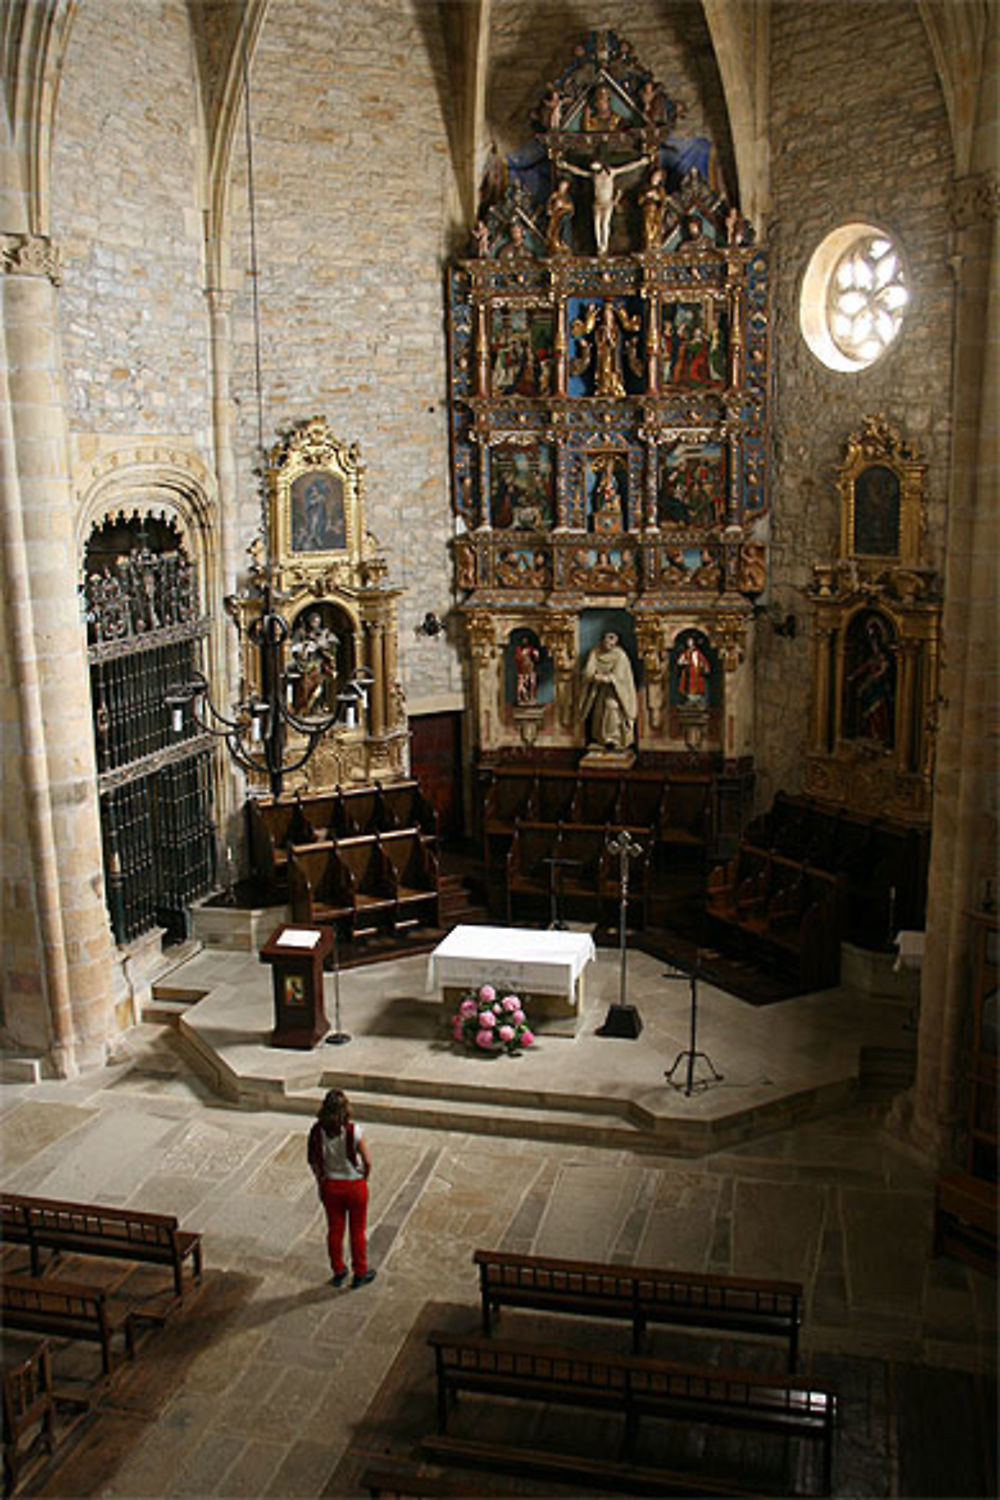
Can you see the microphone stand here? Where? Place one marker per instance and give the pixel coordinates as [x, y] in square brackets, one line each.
[691, 1053]
[337, 1037]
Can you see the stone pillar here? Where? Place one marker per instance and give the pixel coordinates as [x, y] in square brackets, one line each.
[964, 828]
[61, 975]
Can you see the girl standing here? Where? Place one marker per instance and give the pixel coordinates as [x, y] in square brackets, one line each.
[339, 1159]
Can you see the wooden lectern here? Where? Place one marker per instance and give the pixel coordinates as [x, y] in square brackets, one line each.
[297, 954]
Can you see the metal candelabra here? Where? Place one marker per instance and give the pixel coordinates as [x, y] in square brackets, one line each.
[690, 1054]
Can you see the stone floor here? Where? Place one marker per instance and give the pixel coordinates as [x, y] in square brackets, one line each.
[269, 1408]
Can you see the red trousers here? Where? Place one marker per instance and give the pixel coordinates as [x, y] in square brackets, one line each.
[346, 1200]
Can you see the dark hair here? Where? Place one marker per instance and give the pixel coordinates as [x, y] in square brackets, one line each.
[335, 1112]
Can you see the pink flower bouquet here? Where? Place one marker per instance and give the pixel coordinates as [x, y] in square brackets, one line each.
[491, 1021]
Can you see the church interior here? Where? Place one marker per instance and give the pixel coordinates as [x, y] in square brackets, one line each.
[499, 593]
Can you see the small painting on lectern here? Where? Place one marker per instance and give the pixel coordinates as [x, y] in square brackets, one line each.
[295, 989]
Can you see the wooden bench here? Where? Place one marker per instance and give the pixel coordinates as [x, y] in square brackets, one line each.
[28, 1412]
[416, 879]
[781, 911]
[637, 1389]
[641, 1296]
[89, 1229]
[64, 1309]
[347, 881]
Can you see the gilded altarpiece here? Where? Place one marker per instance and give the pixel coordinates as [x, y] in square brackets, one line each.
[329, 582]
[877, 639]
[610, 393]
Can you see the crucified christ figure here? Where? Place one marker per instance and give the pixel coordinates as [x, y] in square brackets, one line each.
[606, 197]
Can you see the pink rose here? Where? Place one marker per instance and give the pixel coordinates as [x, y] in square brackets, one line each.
[487, 994]
[458, 1031]
[527, 1037]
[484, 1039]
[468, 1008]
[510, 1002]
[487, 1018]
[506, 1033]
[519, 1018]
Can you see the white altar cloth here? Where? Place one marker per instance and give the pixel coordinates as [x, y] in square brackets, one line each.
[524, 959]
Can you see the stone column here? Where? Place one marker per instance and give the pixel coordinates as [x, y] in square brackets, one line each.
[61, 975]
[964, 828]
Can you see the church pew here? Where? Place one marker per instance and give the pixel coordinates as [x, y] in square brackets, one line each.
[641, 1295]
[414, 868]
[92, 1229]
[637, 1389]
[402, 805]
[779, 911]
[347, 881]
[65, 1309]
[28, 1412]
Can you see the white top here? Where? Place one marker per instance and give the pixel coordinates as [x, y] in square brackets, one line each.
[513, 957]
[336, 1162]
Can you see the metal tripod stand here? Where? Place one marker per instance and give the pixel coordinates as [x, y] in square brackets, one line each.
[691, 1054]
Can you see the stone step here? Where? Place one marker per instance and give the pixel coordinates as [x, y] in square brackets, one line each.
[480, 1117]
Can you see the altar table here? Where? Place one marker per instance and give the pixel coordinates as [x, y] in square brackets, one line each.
[544, 968]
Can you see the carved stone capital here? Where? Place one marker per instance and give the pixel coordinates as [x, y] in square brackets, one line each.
[30, 255]
[974, 200]
[481, 636]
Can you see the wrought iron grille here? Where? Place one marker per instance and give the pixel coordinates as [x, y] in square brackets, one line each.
[144, 632]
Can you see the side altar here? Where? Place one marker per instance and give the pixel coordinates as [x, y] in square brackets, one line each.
[609, 343]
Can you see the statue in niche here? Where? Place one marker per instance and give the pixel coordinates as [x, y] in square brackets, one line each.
[606, 196]
[599, 113]
[549, 115]
[314, 653]
[599, 332]
[870, 683]
[607, 500]
[610, 704]
[526, 670]
[651, 102]
[693, 672]
[560, 208]
[653, 202]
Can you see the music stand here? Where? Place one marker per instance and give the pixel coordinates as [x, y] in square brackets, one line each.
[691, 1053]
[555, 924]
[622, 1020]
[337, 1038]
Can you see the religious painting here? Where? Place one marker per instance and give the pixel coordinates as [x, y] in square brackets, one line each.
[317, 512]
[606, 482]
[692, 484]
[693, 346]
[521, 351]
[694, 671]
[521, 487]
[314, 665]
[606, 351]
[876, 512]
[295, 989]
[869, 691]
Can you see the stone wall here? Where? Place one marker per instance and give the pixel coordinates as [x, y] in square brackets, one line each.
[125, 214]
[844, 149]
[352, 181]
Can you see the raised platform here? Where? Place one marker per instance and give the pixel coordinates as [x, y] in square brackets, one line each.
[780, 1063]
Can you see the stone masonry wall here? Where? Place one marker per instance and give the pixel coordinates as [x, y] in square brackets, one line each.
[125, 216]
[351, 174]
[843, 149]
